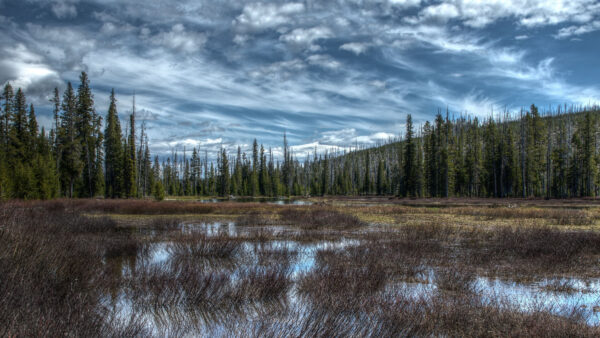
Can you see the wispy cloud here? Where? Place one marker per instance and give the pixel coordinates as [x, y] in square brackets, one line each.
[330, 73]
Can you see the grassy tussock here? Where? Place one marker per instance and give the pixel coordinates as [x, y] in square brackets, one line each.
[197, 245]
[318, 218]
[558, 216]
[51, 274]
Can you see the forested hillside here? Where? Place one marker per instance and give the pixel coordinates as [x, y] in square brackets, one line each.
[554, 155]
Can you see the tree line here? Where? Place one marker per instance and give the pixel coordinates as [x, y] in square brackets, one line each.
[552, 155]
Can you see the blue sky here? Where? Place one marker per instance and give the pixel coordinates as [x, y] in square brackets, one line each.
[331, 73]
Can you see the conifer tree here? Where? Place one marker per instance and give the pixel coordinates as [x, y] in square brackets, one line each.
[7, 116]
[70, 149]
[32, 133]
[18, 131]
[410, 174]
[473, 159]
[254, 184]
[130, 160]
[325, 176]
[381, 178]
[86, 134]
[367, 181]
[265, 181]
[560, 163]
[113, 150]
[237, 179]
[224, 180]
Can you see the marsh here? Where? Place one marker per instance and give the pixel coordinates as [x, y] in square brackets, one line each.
[346, 267]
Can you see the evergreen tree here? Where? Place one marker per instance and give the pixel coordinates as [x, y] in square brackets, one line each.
[18, 130]
[224, 180]
[325, 176]
[367, 181]
[7, 116]
[410, 174]
[87, 134]
[130, 161]
[473, 159]
[32, 133]
[254, 184]
[560, 163]
[70, 148]
[264, 181]
[113, 150]
[381, 178]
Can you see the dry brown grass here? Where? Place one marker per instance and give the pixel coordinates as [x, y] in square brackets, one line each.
[61, 260]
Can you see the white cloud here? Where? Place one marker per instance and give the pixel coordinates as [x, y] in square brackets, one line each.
[325, 61]
[267, 81]
[259, 16]
[29, 71]
[543, 79]
[305, 37]
[542, 72]
[571, 31]
[405, 3]
[178, 39]
[442, 12]
[240, 39]
[64, 9]
[335, 141]
[281, 69]
[355, 47]
[505, 56]
[350, 137]
[531, 13]
[438, 37]
[378, 84]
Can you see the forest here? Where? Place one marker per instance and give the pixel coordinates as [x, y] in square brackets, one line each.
[550, 154]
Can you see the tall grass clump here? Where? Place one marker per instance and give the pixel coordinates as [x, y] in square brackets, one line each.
[318, 218]
[51, 274]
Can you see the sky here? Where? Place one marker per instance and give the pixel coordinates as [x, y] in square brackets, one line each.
[331, 74]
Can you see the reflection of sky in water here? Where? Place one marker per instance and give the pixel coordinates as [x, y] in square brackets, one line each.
[278, 201]
[302, 259]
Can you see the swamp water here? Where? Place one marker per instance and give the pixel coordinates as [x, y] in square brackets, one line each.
[205, 299]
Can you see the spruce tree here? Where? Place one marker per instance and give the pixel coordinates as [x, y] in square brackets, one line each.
[410, 174]
[70, 147]
[264, 181]
[85, 124]
[560, 162]
[224, 179]
[18, 131]
[367, 180]
[325, 181]
[32, 133]
[130, 162]
[254, 184]
[113, 151]
[7, 116]
[381, 178]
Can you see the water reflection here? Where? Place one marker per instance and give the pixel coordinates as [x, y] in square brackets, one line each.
[270, 200]
[183, 293]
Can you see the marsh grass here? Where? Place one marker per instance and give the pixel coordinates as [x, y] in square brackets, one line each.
[253, 218]
[51, 274]
[558, 216]
[65, 266]
[455, 279]
[197, 244]
[318, 218]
